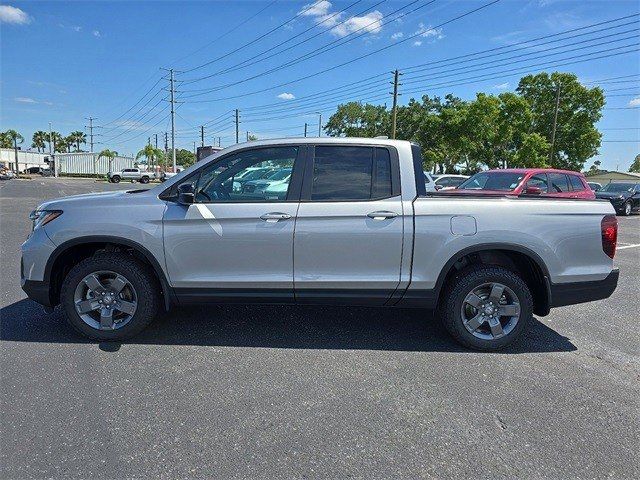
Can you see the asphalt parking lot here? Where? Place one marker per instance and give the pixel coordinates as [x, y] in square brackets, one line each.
[236, 392]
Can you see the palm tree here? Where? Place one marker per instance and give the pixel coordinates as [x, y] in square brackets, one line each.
[151, 153]
[5, 141]
[56, 139]
[39, 140]
[110, 154]
[77, 138]
[15, 138]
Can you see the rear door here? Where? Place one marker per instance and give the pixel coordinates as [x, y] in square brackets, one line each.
[349, 228]
[559, 185]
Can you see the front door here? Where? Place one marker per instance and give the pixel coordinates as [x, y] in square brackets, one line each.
[349, 228]
[234, 243]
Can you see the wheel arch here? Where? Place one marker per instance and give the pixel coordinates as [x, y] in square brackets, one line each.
[83, 247]
[522, 260]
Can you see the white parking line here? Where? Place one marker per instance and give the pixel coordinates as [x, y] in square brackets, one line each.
[629, 246]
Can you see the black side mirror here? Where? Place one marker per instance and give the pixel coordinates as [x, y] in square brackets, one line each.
[186, 194]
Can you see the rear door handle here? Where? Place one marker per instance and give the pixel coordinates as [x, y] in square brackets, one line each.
[382, 215]
[275, 216]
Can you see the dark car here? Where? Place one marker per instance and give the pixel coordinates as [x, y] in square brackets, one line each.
[624, 196]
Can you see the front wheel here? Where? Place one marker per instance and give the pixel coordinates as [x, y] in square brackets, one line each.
[626, 209]
[144, 180]
[110, 296]
[115, 179]
[486, 307]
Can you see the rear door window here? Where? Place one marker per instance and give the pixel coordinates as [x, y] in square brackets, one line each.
[576, 183]
[559, 183]
[350, 174]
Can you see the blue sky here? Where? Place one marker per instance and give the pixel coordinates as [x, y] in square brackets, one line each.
[65, 61]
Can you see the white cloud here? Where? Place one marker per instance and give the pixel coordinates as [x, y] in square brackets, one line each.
[286, 96]
[96, 33]
[501, 86]
[417, 43]
[317, 10]
[397, 35]
[322, 14]
[635, 102]
[77, 28]
[370, 23]
[25, 100]
[13, 15]
[429, 32]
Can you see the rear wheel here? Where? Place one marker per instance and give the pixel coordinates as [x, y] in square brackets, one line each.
[110, 296]
[144, 180]
[115, 179]
[626, 209]
[486, 307]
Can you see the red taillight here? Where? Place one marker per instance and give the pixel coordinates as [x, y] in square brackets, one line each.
[609, 229]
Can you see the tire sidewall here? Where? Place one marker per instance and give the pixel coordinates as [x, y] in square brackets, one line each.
[135, 272]
[115, 179]
[464, 283]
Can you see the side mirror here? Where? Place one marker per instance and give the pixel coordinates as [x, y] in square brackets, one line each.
[438, 187]
[532, 190]
[186, 194]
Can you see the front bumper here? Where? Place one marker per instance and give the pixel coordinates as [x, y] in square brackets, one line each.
[38, 292]
[580, 292]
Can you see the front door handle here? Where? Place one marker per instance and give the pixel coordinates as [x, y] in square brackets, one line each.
[382, 215]
[275, 216]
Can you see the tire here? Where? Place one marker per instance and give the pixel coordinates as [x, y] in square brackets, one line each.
[626, 209]
[142, 285]
[144, 180]
[115, 179]
[454, 308]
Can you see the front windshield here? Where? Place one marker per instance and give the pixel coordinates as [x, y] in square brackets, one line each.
[502, 181]
[618, 187]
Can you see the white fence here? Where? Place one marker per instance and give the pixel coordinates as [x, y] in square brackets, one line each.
[88, 163]
[25, 159]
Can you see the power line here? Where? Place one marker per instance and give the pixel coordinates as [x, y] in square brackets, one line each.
[309, 7]
[290, 82]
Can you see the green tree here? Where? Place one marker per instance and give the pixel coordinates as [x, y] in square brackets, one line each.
[186, 157]
[39, 139]
[5, 141]
[355, 119]
[110, 154]
[252, 137]
[635, 166]
[57, 140]
[76, 138]
[577, 138]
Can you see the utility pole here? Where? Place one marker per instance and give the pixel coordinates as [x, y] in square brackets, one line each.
[247, 135]
[51, 157]
[156, 140]
[166, 149]
[396, 74]
[194, 148]
[93, 156]
[305, 129]
[555, 123]
[202, 135]
[219, 140]
[173, 121]
[237, 126]
[319, 124]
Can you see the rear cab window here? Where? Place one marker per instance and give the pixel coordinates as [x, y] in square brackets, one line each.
[352, 173]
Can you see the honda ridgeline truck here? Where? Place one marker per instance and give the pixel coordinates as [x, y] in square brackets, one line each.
[356, 227]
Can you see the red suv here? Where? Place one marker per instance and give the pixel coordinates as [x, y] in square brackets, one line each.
[545, 182]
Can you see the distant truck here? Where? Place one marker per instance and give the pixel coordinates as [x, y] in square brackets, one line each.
[132, 174]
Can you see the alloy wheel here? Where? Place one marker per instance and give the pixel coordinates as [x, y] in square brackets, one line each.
[105, 300]
[490, 311]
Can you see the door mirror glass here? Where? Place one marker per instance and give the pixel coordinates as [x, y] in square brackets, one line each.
[186, 193]
[533, 190]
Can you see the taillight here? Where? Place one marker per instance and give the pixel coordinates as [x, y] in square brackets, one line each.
[609, 229]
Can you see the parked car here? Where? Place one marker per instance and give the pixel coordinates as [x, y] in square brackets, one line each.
[595, 186]
[164, 176]
[258, 187]
[33, 170]
[543, 182]
[132, 174]
[7, 174]
[624, 196]
[257, 173]
[448, 181]
[356, 228]
[429, 182]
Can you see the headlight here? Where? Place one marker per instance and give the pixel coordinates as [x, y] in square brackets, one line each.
[42, 217]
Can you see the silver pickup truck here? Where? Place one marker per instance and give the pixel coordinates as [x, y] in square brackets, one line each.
[356, 227]
[131, 174]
